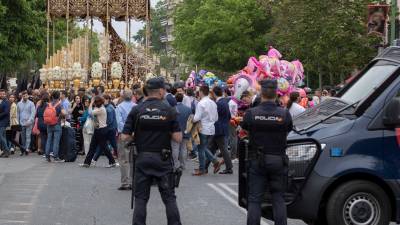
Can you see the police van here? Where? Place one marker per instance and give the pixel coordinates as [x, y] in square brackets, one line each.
[345, 153]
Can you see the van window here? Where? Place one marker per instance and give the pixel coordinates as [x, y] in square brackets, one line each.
[369, 81]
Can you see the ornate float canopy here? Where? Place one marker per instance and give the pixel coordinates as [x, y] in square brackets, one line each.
[118, 9]
[129, 66]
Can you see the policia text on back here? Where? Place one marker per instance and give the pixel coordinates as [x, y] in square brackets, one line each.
[154, 125]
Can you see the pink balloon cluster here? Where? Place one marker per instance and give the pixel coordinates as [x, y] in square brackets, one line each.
[191, 81]
[272, 66]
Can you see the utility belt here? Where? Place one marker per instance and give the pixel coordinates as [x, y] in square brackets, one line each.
[135, 150]
[165, 154]
[258, 153]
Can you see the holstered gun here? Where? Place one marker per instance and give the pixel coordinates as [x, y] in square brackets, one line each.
[177, 177]
[261, 157]
[166, 154]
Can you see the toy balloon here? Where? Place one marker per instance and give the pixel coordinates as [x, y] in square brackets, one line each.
[299, 74]
[283, 86]
[241, 85]
[202, 72]
[273, 53]
[274, 64]
[191, 81]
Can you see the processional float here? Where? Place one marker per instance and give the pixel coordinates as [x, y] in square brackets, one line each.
[121, 64]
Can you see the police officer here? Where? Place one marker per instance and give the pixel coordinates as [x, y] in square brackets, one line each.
[153, 125]
[268, 126]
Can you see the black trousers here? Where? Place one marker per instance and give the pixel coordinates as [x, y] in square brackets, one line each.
[11, 136]
[99, 139]
[149, 167]
[218, 142]
[273, 174]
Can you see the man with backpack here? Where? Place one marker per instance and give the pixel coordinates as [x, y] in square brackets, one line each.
[26, 115]
[51, 118]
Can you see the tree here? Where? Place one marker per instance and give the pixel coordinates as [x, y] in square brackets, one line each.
[22, 32]
[221, 34]
[157, 30]
[329, 37]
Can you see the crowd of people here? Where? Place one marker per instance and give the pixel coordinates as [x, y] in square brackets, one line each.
[32, 121]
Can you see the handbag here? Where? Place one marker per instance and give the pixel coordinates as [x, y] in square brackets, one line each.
[88, 127]
[35, 129]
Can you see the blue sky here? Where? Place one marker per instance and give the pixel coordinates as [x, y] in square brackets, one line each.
[120, 27]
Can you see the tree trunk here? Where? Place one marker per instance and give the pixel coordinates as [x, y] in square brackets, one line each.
[319, 77]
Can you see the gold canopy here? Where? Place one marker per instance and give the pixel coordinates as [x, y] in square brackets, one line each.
[98, 8]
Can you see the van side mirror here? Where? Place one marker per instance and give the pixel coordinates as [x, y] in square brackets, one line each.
[391, 116]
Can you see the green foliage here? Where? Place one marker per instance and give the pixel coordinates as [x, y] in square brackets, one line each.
[220, 34]
[330, 37]
[22, 33]
[157, 30]
[94, 48]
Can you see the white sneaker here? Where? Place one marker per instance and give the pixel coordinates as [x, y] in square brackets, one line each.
[12, 149]
[51, 154]
[111, 165]
[84, 165]
[93, 163]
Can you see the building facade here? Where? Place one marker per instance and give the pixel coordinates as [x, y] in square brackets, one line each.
[168, 23]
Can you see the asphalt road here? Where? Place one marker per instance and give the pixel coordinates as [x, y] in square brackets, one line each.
[38, 193]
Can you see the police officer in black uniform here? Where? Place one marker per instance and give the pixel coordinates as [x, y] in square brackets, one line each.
[268, 126]
[153, 125]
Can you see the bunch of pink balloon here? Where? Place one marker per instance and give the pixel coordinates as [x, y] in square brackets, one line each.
[191, 81]
[271, 66]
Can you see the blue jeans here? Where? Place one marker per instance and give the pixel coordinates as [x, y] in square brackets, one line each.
[195, 147]
[204, 153]
[26, 136]
[53, 140]
[112, 138]
[3, 140]
[43, 138]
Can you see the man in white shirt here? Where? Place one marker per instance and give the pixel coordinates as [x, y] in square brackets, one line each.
[207, 115]
[293, 105]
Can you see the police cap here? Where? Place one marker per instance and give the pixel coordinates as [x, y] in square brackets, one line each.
[269, 84]
[155, 83]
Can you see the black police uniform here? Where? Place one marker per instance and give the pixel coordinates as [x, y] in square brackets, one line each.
[153, 121]
[268, 126]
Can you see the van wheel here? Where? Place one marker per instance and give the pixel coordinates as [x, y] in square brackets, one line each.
[358, 203]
